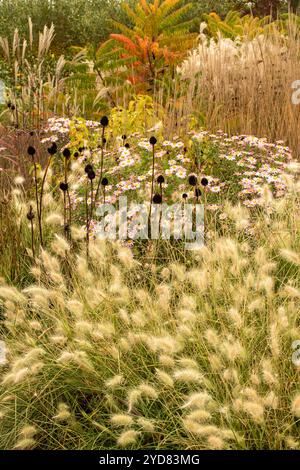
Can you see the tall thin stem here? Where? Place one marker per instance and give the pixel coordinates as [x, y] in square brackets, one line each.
[101, 170]
[37, 202]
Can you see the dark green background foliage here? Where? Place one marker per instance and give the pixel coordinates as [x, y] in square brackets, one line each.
[77, 22]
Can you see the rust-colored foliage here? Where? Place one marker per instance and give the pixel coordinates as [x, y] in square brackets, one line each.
[158, 40]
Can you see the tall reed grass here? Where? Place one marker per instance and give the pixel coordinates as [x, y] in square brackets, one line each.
[240, 86]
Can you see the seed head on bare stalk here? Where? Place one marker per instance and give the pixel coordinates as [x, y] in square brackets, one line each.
[67, 207]
[91, 175]
[30, 217]
[104, 123]
[31, 152]
[104, 183]
[51, 151]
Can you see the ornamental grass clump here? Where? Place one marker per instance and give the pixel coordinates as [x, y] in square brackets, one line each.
[124, 354]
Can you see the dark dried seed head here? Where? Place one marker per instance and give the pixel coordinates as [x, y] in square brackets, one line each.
[157, 199]
[31, 150]
[193, 180]
[153, 140]
[160, 179]
[66, 153]
[204, 182]
[104, 182]
[88, 168]
[53, 149]
[104, 121]
[91, 175]
[64, 186]
[198, 192]
[30, 216]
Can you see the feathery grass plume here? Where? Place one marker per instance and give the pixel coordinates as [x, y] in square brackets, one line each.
[290, 256]
[115, 382]
[197, 400]
[215, 362]
[205, 430]
[199, 279]
[60, 246]
[146, 425]
[164, 296]
[16, 377]
[254, 410]
[290, 292]
[296, 406]
[166, 360]
[25, 444]
[190, 426]
[54, 219]
[215, 442]
[165, 273]
[164, 378]
[271, 400]
[232, 349]
[148, 391]
[188, 375]
[128, 438]
[28, 431]
[268, 374]
[125, 255]
[121, 420]
[12, 294]
[63, 413]
[199, 416]
[231, 375]
[133, 398]
[292, 443]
